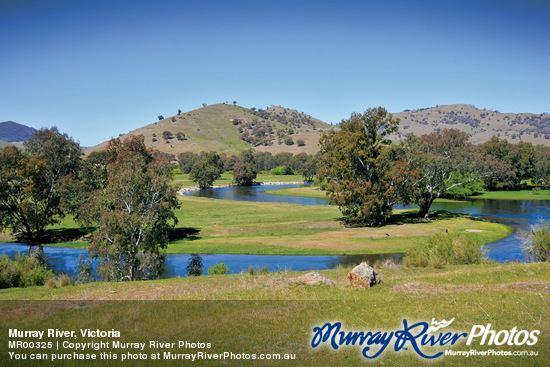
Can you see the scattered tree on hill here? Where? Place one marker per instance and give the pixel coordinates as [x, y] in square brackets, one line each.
[300, 142]
[29, 184]
[234, 103]
[180, 136]
[160, 117]
[179, 112]
[167, 135]
[206, 170]
[354, 172]
[289, 140]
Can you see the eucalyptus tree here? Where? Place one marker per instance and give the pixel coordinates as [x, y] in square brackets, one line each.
[134, 209]
[30, 198]
[353, 169]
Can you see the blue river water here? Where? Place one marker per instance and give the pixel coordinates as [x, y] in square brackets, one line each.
[519, 214]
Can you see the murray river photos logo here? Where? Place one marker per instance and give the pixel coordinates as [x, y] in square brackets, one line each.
[420, 336]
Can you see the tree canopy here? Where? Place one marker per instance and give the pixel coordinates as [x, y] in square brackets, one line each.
[134, 209]
[30, 198]
[207, 169]
[354, 172]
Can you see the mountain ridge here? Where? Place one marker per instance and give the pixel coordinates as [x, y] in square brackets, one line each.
[11, 132]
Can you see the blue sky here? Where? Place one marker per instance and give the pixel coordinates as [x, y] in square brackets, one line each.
[96, 69]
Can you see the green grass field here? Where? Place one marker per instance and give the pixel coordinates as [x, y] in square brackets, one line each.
[239, 227]
[515, 195]
[270, 314]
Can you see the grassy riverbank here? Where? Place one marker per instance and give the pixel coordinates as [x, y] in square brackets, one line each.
[515, 195]
[269, 314]
[315, 192]
[239, 227]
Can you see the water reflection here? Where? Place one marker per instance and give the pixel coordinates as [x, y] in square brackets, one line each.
[64, 260]
[256, 193]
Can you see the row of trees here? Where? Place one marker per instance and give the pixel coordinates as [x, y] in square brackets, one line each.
[366, 174]
[205, 168]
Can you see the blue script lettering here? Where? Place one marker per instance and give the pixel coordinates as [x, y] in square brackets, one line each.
[414, 335]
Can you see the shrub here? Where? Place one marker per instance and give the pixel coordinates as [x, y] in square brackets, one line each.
[289, 141]
[23, 271]
[300, 142]
[257, 270]
[282, 170]
[536, 242]
[84, 270]
[65, 280]
[51, 283]
[445, 248]
[218, 269]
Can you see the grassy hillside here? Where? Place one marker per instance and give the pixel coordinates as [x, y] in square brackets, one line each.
[481, 124]
[231, 129]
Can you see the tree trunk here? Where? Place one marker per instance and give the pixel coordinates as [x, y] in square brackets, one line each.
[424, 209]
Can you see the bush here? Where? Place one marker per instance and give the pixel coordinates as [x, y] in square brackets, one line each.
[65, 280]
[84, 270]
[536, 242]
[257, 270]
[24, 271]
[51, 283]
[445, 249]
[218, 269]
[282, 170]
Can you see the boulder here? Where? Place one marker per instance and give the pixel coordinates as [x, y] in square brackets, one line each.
[363, 276]
[313, 278]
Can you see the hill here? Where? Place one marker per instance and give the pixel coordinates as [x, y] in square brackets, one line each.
[13, 132]
[481, 124]
[231, 129]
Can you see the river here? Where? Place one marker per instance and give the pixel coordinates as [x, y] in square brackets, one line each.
[519, 214]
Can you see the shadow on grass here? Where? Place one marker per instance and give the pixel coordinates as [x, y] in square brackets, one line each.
[60, 235]
[411, 217]
[66, 234]
[184, 233]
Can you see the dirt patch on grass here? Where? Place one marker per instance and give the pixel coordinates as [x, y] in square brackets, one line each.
[474, 230]
[423, 288]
